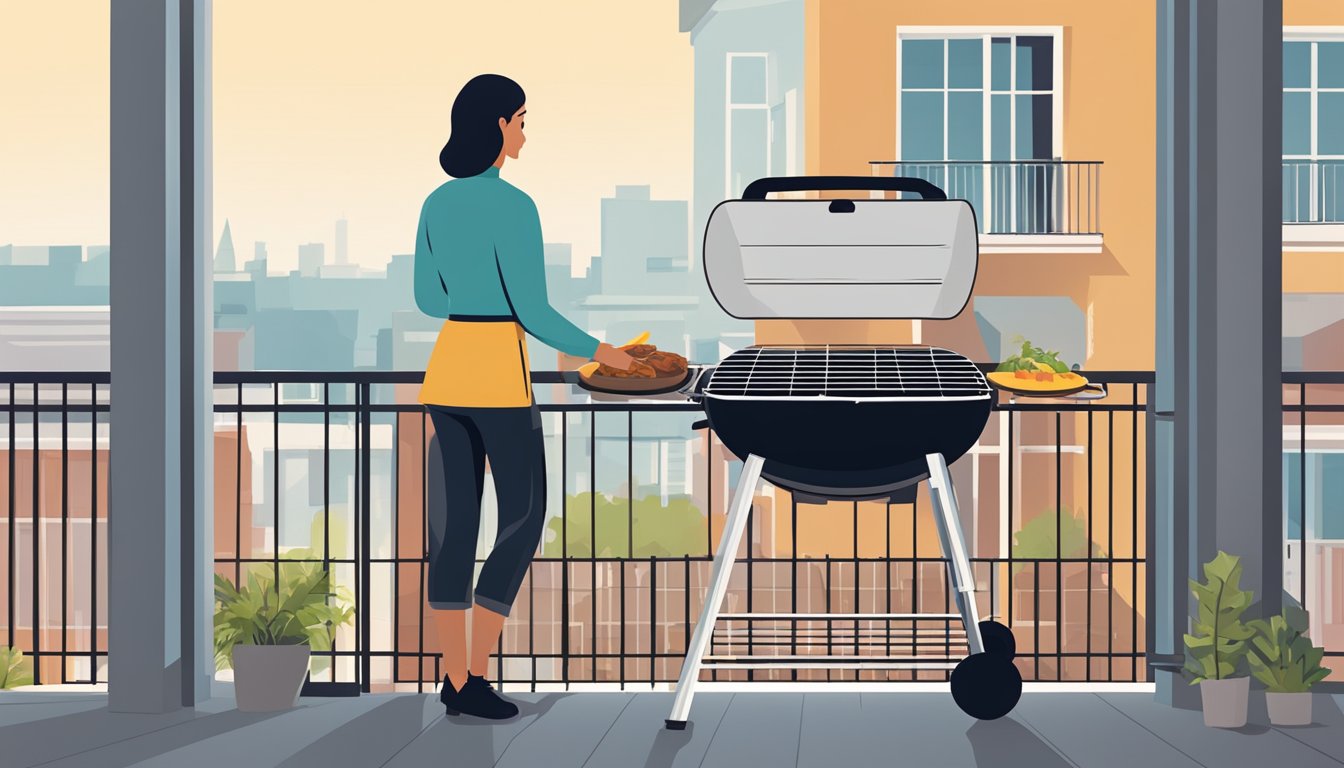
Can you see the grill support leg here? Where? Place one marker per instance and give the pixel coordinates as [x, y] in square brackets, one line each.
[718, 587]
[948, 521]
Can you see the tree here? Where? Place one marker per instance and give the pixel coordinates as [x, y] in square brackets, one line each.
[659, 531]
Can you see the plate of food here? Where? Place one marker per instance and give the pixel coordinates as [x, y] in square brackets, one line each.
[1035, 372]
[655, 371]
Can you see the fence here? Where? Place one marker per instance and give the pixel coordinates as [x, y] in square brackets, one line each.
[1016, 197]
[637, 507]
[1311, 191]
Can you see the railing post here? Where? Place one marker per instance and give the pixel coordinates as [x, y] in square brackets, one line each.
[365, 417]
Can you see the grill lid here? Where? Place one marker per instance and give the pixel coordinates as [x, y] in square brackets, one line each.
[906, 373]
[841, 259]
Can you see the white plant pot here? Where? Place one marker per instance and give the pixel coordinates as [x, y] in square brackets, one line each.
[1289, 708]
[267, 678]
[1225, 701]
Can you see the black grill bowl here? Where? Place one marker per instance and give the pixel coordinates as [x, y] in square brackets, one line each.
[846, 448]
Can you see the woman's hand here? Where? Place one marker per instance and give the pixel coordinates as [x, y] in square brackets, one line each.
[609, 355]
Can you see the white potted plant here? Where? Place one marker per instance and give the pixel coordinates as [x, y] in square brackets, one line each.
[265, 632]
[1220, 642]
[1285, 660]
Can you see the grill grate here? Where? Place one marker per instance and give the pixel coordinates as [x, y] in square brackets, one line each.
[848, 373]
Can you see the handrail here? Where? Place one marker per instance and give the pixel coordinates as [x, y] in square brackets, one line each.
[538, 377]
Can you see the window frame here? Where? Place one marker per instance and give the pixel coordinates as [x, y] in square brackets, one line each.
[986, 34]
[1313, 36]
[730, 107]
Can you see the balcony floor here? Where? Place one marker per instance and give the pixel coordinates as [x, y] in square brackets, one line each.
[560, 730]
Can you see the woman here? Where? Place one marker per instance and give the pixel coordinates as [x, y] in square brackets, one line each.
[478, 263]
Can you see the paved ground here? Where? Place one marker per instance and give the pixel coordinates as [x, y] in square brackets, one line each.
[622, 730]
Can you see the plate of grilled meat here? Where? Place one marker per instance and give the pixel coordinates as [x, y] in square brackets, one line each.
[654, 371]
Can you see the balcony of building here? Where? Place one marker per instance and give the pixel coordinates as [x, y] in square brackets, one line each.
[332, 467]
[1022, 206]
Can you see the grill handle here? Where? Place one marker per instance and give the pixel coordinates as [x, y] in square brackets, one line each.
[758, 189]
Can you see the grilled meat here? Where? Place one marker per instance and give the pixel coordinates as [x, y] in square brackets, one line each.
[650, 362]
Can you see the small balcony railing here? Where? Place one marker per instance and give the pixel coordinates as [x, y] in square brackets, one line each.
[1313, 191]
[622, 569]
[1016, 197]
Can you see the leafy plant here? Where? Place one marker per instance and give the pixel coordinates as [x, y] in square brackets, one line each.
[303, 608]
[661, 531]
[1221, 639]
[1053, 534]
[1282, 656]
[15, 668]
[1029, 356]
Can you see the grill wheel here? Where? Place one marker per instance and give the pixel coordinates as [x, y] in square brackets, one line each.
[986, 686]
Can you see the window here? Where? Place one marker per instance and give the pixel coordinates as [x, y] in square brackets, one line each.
[747, 151]
[1313, 127]
[976, 109]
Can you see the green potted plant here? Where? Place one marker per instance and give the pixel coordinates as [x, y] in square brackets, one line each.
[1285, 660]
[265, 631]
[15, 668]
[1220, 642]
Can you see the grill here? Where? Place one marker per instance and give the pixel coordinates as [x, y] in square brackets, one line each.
[850, 421]
[905, 374]
[834, 422]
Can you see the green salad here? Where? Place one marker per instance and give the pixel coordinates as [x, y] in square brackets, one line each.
[1027, 360]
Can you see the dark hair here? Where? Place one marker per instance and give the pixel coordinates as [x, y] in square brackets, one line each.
[475, 141]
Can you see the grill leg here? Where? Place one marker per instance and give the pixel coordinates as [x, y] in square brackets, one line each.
[718, 586]
[954, 548]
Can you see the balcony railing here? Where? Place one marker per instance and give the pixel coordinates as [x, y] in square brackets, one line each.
[1016, 197]
[1312, 191]
[637, 504]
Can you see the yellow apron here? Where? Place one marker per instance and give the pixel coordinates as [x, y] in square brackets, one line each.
[478, 364]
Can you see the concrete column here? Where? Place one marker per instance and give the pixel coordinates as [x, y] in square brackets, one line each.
[160, 419]
[1218, 437]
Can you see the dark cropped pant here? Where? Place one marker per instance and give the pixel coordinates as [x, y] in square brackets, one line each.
[464, 438]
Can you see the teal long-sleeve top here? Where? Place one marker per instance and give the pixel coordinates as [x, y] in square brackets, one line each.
[478, 251]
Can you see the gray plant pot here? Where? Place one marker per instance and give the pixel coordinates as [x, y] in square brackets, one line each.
[1225, 701]
[1289, 708]
[267, 678]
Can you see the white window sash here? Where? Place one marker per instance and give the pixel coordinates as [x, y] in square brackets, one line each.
[1312, 36]
[732, 107]
[987, 35]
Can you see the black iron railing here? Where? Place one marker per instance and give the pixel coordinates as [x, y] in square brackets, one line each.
[598, 607]
[1016, 197]
[53, 488]
[618, 583]
[1313, 417]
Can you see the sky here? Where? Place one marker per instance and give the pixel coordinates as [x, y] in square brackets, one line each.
[333, 108]
[53, 122]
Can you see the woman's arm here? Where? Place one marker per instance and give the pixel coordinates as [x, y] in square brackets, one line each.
[521, 264]
[431, 295]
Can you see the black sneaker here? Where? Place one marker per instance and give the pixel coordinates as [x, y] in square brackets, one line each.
[476, 698]
[448, 693]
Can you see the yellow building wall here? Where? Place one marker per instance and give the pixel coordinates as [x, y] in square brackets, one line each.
[1109, 103]
[1313, 272]
[1313, 13]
